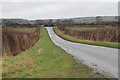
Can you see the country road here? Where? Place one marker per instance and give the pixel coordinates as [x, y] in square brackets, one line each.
[102, 59]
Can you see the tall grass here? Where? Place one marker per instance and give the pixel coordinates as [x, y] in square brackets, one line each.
[74, 39]
[15, 42]
[105, 35]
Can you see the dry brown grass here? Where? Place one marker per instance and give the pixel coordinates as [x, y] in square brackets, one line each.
[15, 42]
[106, 35]
[40, 50]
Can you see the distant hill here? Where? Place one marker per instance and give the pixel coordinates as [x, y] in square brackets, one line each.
[20, 21]
[93, 18]
[77, 19]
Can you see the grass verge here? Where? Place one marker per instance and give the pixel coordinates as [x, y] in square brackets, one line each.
[89, 28]
[27, 30]
[45, 60]
[97, 43]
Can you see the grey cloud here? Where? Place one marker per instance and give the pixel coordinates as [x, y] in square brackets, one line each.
[35, 10]
[60, 0]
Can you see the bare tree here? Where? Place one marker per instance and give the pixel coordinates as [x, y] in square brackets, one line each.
[99, 20]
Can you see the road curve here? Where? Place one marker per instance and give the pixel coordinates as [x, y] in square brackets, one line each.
[102, 59]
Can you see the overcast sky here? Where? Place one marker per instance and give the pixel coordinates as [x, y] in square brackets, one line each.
[57, 9]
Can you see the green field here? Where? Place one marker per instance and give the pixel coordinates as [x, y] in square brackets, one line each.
[88, 28]
[97, 43]
[45, 60]
[27, 30]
